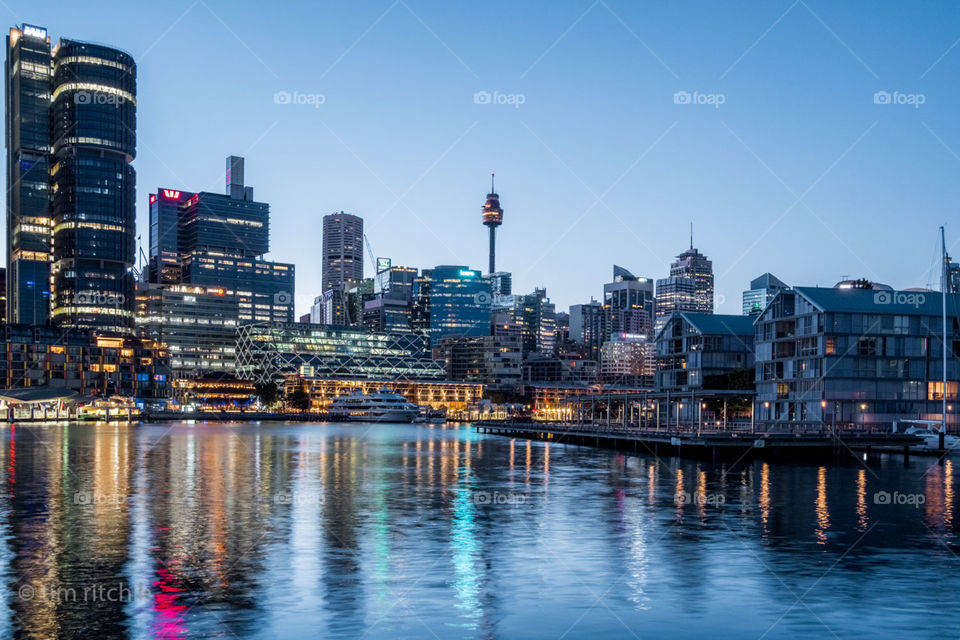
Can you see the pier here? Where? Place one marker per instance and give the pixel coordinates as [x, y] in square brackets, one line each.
[715, 444]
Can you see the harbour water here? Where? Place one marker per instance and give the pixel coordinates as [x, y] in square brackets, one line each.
[279, 530]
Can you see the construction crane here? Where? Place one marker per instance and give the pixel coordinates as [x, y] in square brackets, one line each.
[377, 283]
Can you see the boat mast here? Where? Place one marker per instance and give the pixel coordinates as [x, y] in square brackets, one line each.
[943, 288]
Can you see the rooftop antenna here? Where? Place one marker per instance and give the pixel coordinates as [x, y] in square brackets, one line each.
[691, 236]
[492, 190]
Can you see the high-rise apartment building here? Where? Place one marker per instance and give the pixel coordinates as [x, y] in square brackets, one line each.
[71, 139]
[342, 251]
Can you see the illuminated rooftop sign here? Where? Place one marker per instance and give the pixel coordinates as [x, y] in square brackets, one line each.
[170, 194]
[34, 32]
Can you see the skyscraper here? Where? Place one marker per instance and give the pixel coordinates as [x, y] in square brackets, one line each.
[93, 186]
[493, 218]
[29, 85]
[628, 304]
[451, 300]
[207, 274]
[71, 136]
[688, 288]
[342, 251]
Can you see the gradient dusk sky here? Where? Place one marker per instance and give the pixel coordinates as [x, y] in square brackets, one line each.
[799, 171]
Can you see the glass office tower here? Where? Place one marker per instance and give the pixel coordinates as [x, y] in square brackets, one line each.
[28, 81]
[452, 301]
[92, 184]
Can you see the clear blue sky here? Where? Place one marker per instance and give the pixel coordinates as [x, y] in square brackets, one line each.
[798, 172]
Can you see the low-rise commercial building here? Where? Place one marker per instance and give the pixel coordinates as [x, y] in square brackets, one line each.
[270, 351]
[436, 394]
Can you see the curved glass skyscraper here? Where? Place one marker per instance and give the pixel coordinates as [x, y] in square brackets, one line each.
[92, 186]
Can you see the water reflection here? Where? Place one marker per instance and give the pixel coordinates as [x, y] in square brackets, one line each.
[343, 530]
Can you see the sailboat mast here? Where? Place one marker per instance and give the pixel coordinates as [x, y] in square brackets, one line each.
[944, 277]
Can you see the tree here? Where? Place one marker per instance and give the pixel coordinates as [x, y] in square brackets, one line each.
[300, 400]
[267, 392]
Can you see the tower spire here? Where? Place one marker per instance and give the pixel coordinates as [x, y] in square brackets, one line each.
[691, 236]
[492, 189]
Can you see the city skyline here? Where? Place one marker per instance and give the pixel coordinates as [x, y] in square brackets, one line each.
[550, 176]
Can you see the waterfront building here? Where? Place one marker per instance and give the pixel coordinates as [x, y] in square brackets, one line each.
[83, 361]
[342, 251]
[29, 89]
[855, 358]
[197, 324]
[697, 351]
[588, 327]
[689, 287]
[560, 369]
[71, 139]
[436, 394]
[451, 300]
[494, 361]
[762, 290]
[269, 351]
[215, 392]
[628, 359]
[628, 304]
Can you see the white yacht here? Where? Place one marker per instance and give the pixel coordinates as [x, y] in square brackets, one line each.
[382, 406]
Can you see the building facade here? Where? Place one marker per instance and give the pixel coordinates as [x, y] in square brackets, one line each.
[855, 358]
[270, 351]
[80, 360]
[628, 359]
[451, 300]
[761, 292]
[494, 361]
[342, 251]
[689, 287]
[29, 86]
[628, 304]
[699, 351]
